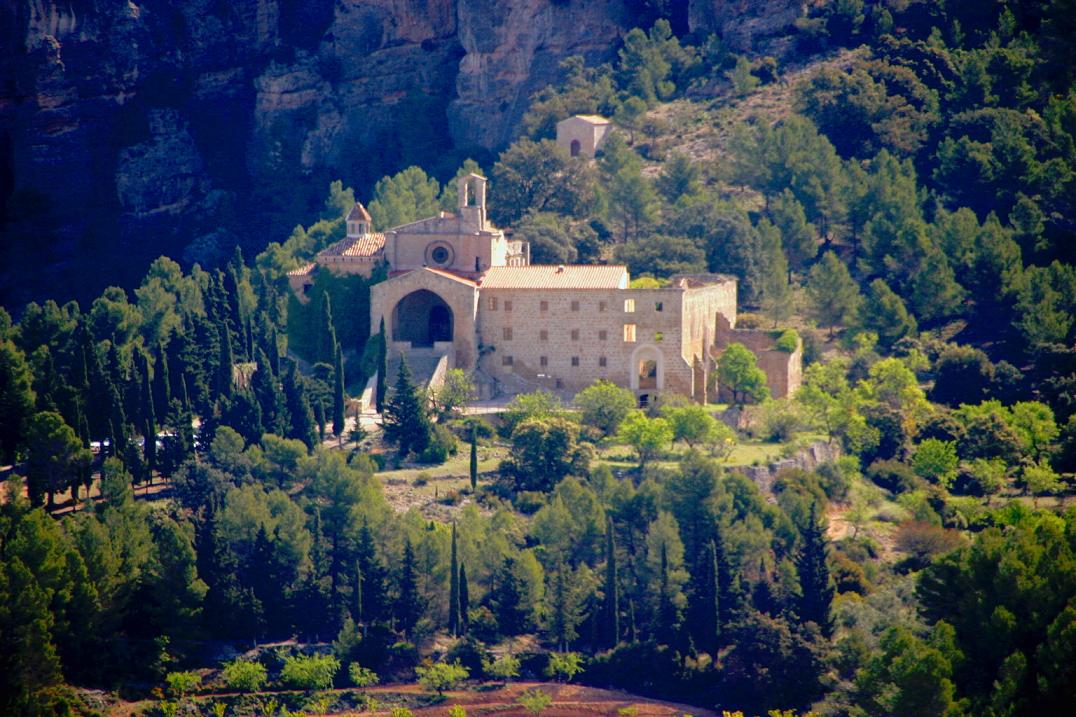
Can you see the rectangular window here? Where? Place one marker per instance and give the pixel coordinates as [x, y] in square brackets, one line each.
[543, 306]
[575, 360]
[575, 334]
[507, 305]
[601, 306]
[543, 335]
[543, 361]
[603, 335]
[629, 306]
[506, 360]
[601, 361]
[659, 336]
[575, 306]
[492, 303]
[506, 333]
[659, 306]
[629, 333]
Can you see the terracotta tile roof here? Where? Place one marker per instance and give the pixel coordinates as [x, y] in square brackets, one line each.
[303, 270]
[365, 245]
[552, 276]
[450, 275]
[358, 213]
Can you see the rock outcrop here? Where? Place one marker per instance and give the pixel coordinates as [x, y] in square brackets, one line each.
[133, 129]
[745, 25]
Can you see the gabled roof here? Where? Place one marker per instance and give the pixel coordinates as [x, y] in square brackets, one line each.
[358, 213]
[589, 119]
[303, 270]
[553, 276]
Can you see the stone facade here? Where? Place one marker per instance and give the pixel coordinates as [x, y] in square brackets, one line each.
[458, 288]
[582, 135]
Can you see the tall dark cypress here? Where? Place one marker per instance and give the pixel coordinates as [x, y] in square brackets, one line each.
[728, 584]
[454, 588]
[225, 384]
[163, 384]
[319, 417]
[338, 393]
[465, 598]
[327, 344]
[269, 395]
[372, 575]
[611, 604]
[705, 622]
[668, 617]
[408, 601]
[299, 413]
[474, 458]
[815, 586]
[382, 367]
[149, 422]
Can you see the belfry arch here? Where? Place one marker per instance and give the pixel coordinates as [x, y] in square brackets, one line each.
[422, 318]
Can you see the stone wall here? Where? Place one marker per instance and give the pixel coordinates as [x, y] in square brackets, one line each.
[806, 459]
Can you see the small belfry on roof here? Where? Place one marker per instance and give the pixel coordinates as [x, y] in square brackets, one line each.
[358, 213]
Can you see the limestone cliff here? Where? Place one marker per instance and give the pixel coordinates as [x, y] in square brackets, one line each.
[128, 130]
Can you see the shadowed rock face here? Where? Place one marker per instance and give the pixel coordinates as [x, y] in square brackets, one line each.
[130, 130]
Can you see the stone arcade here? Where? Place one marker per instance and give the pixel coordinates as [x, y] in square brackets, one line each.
[461, 295]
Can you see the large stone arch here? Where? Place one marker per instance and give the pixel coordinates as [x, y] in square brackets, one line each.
[647, 369]
[422, 318]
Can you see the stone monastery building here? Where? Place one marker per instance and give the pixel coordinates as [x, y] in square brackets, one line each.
[459, 294]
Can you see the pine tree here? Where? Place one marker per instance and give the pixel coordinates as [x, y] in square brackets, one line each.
[776, 292]
[269, 396]
[668, 618]
[611, 605]
[409, 606]
[728, 584]
[832, 294]
[884, 313]
[454, 589]
[815, 585]
[338, 393]
[474, 459]
[506, 600]
[382, 367]
[405, 420]
[465, 598]
[372, 577]
[564, 613]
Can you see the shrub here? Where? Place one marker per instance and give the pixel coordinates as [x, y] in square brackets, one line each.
[362, 676]
[244, 675]
[894, 476]
[181, 684]
[441, 676]
[922, 541]
[564, 665]
[534, 701]
[315, 672]
[788, 341]
[442, 445]
[503, 668]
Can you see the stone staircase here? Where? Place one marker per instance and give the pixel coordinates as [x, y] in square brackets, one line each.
[422, 362]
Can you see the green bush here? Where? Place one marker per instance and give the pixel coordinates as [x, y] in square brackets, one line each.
[315, 672]
[244, 676]
[362, 676]
[788, 341]
[442, 445]
[181, 684]
[441, 676]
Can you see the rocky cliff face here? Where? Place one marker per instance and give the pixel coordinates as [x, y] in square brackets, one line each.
[128, 130]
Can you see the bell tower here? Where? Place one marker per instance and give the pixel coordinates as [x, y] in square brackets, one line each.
[472, 200]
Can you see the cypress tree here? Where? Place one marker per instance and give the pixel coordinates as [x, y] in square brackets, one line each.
[611, 604]
[405, 419]
[84, 434]
[815, 586]
[382, 367]
[454, 588]
[667, 617]
[338, 393]
[269, 395]
[372, 577]
[225, 384]
[356, 594]
[149, 421]
[409, 603]
[506, 600]
[474, 458]
[728, 593]
[705, 620]
[465, 598]
[327, 345]
[163, 394]
[298, 407]
[564, 618]
[319, 417]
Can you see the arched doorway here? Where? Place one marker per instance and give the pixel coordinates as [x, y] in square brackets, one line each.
[574, 148]
[647, 369]
[422, 317]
